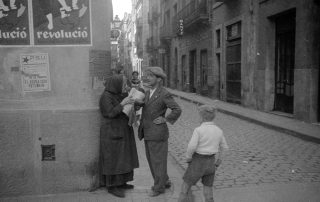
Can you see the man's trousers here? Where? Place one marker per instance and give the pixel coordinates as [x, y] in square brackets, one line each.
[157, 154]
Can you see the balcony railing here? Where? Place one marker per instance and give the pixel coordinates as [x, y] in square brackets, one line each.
[166, 31]
[153, 15]
[192, 14]
[139, 22]
[151, 45]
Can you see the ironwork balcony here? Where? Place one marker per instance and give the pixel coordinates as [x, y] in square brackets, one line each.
[138, 3]
[139, 22]
[192, 15]
[140, 49]
[151, 45]
[166, 32]
[153, 16]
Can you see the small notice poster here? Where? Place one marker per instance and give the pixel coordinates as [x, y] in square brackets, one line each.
[35, 72]
[14, 23]
[61, 22]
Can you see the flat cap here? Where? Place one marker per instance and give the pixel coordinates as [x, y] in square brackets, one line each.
[157, 71]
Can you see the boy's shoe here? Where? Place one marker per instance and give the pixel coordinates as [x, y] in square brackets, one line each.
[116, 192]
[126, 186]
[167, 185]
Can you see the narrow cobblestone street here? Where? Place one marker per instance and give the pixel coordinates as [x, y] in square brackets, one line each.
[257, 155]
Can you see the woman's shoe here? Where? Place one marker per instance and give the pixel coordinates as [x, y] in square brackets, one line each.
[168, 184]
[116, 192]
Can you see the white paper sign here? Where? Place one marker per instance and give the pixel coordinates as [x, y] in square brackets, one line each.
[35, 74]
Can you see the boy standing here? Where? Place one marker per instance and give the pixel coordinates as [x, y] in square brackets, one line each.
[204, 154]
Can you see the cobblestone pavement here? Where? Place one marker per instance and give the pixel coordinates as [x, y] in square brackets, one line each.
[257, 155]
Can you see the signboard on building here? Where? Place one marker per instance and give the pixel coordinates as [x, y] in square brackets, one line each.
[180, 27]
[115, 34]
[162, 50]
[49, 23]
[99, 67]
[35, 74]
[14, 23]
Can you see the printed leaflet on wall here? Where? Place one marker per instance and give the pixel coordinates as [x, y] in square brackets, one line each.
[35, 72]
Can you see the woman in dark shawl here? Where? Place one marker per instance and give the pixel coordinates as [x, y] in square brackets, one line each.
[118, 152]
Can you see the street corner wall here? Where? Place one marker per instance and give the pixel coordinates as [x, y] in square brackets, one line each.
[52, 66]
[23, 169]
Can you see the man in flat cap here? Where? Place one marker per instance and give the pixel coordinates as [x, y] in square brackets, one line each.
[153, 127]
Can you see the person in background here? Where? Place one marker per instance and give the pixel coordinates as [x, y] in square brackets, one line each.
[204, 154]
[153, 127]
[118, 152]
[135, 81]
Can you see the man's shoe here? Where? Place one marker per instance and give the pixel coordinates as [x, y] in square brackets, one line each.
[116, 192]
[153, 193]
[127, 186]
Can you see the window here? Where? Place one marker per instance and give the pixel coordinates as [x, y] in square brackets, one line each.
[234, 31]
[218, 38]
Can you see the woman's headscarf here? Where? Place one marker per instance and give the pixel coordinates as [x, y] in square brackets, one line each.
[114, 84]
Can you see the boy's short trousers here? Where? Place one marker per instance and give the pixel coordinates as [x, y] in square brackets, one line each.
[201, 167]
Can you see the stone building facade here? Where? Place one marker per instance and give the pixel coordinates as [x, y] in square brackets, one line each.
[267, 53]
[186, 45]
[261, 54]
[49, 92]
[140, 10]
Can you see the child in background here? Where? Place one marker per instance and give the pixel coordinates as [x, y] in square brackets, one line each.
[204, 154]
[135, 81]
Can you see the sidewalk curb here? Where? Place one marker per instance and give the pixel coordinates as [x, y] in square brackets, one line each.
[293, 133]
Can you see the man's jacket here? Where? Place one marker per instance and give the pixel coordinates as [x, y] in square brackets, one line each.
[154, 107]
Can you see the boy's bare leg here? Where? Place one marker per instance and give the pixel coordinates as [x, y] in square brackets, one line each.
[208, 194]
[183, 197]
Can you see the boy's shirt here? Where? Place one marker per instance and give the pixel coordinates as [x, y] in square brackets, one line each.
[206, 140]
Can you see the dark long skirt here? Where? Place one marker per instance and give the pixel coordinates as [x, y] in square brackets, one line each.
[117, 180]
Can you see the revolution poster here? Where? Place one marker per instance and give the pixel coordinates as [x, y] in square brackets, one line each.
[61, 22]
[14, 23]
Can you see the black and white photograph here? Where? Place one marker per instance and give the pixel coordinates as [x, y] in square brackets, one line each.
[159, 100]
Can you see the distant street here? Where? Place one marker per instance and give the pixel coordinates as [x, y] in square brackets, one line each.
[257, 155]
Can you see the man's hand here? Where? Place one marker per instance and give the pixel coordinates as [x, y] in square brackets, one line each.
[218, 162]
[159, 120]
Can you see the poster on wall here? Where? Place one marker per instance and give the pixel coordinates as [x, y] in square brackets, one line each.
[61, 22]
[14, 23]
[35, 75]
[99, 67]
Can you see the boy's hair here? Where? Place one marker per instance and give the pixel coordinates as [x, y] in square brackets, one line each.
[207, 112]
